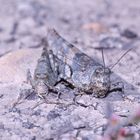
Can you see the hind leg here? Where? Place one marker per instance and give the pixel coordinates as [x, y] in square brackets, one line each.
[24, 94]
[54, 63]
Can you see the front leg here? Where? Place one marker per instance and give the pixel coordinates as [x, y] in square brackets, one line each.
[119, 86]
[24, 94]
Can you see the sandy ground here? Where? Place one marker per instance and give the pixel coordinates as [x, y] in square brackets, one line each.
[87, 24]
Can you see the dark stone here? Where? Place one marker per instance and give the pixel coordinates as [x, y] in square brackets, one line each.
[28, 125]
[85, 138]
[52, 115]
[14, 29]
[1, 29]
[1, 126]
[15, 110]
[129, 34]
[37, 112]
[1, 95]
[138, 83]
[10, 40]
[34, 138]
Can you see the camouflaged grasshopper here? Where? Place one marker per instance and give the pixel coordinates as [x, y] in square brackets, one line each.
[83, 72]
[61, 61]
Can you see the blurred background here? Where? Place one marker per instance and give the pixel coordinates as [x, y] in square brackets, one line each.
[90, 23]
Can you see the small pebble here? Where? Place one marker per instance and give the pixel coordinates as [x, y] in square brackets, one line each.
[1, 126]
[15, 110]
[37, 112]
[130, 97]
[111, 42]
[129, 34]
[28, 125]
[138, 83]
[1, 95]
[52, 115]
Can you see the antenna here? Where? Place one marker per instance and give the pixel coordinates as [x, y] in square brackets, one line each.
[103, 57]
[120, 58]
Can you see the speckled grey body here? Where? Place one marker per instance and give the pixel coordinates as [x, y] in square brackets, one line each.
[84, 72]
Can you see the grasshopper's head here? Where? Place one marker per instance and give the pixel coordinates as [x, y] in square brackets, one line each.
[101, 81]
[101, 78]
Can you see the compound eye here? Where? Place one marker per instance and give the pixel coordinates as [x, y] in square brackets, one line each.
[107, 71]
[37, 74]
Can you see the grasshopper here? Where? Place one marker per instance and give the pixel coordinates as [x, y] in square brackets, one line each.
[61, 61]
[81, 71]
